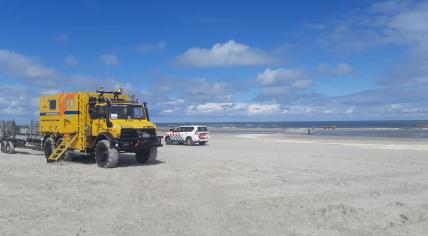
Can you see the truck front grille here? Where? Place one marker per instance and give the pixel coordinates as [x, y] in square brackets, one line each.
[132, 134]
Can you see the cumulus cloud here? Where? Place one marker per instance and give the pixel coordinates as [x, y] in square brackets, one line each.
[17, 101]
[109, 59]
[151, 47]
[230, 53]
[71, 60]
[278, 76]
[340, 69]
[230, 109]
[17, 65]
[282, 84]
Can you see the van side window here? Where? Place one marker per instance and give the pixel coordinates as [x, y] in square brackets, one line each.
[52, 104]
[188, 129]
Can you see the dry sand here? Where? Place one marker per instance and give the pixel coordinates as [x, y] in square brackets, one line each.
[236, 185]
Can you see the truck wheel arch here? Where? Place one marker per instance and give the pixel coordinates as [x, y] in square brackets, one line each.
[104, 136]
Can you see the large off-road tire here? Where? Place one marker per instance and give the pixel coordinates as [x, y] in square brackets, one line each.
[189, 141]
[168, 140]
[146, 155]
[10, 147]
[105, 156]
[202, 143]
[48, 148]
[3, 146]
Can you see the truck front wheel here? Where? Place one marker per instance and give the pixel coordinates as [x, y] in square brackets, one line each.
[106, 156]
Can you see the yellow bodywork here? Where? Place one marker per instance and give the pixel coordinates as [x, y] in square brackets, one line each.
[67, 114]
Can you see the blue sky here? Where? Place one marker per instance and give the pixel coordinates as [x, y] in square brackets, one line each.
[222, 60]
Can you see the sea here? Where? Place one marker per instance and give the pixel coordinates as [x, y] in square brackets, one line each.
[373, 128]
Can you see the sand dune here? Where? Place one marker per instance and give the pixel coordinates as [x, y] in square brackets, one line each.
[236, 185]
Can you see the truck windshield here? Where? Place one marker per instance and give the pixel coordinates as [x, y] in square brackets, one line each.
[126, 111]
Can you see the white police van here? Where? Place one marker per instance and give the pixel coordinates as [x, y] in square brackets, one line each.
[189, 134]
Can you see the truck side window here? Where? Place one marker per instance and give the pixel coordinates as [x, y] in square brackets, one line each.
[52, 104]
[100, 112]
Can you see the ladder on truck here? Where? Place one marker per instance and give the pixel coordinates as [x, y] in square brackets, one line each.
[62, 148]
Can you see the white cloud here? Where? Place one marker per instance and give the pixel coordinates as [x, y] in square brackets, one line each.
[282, 84]
[340, 69]
[71, 60]
[17, 65]
[277, 76]
[230, 53]
[230, 109]
[109, 59]
[301, 84]
[151, 47]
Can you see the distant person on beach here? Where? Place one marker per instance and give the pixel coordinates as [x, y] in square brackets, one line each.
[309, 131]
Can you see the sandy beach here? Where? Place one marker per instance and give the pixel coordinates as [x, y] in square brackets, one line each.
[238, 184]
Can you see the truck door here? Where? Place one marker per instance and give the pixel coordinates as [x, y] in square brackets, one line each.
[69, 112]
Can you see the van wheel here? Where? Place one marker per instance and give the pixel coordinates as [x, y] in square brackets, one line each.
[168, 140]
[10, 147]
[3, 146]
[48, 148]
[105, 156]
[189, 141]
[202, 143]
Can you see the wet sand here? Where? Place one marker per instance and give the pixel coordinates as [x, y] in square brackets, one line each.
[238, 184]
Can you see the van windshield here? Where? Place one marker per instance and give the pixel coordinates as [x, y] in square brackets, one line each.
[126, 112]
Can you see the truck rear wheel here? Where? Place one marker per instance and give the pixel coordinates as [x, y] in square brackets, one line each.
[146, 155]
[48, 148]
[106, 156]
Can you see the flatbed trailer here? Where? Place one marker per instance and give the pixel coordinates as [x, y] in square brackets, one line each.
[19, 136]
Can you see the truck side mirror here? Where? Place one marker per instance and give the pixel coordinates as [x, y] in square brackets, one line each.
[146, 111]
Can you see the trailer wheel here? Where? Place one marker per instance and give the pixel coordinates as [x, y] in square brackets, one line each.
[10, 147]
[3, 146]
[105, 156]
[48, 148]
[168, 140]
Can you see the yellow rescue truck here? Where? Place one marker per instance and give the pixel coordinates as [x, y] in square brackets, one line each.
[96, 124]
